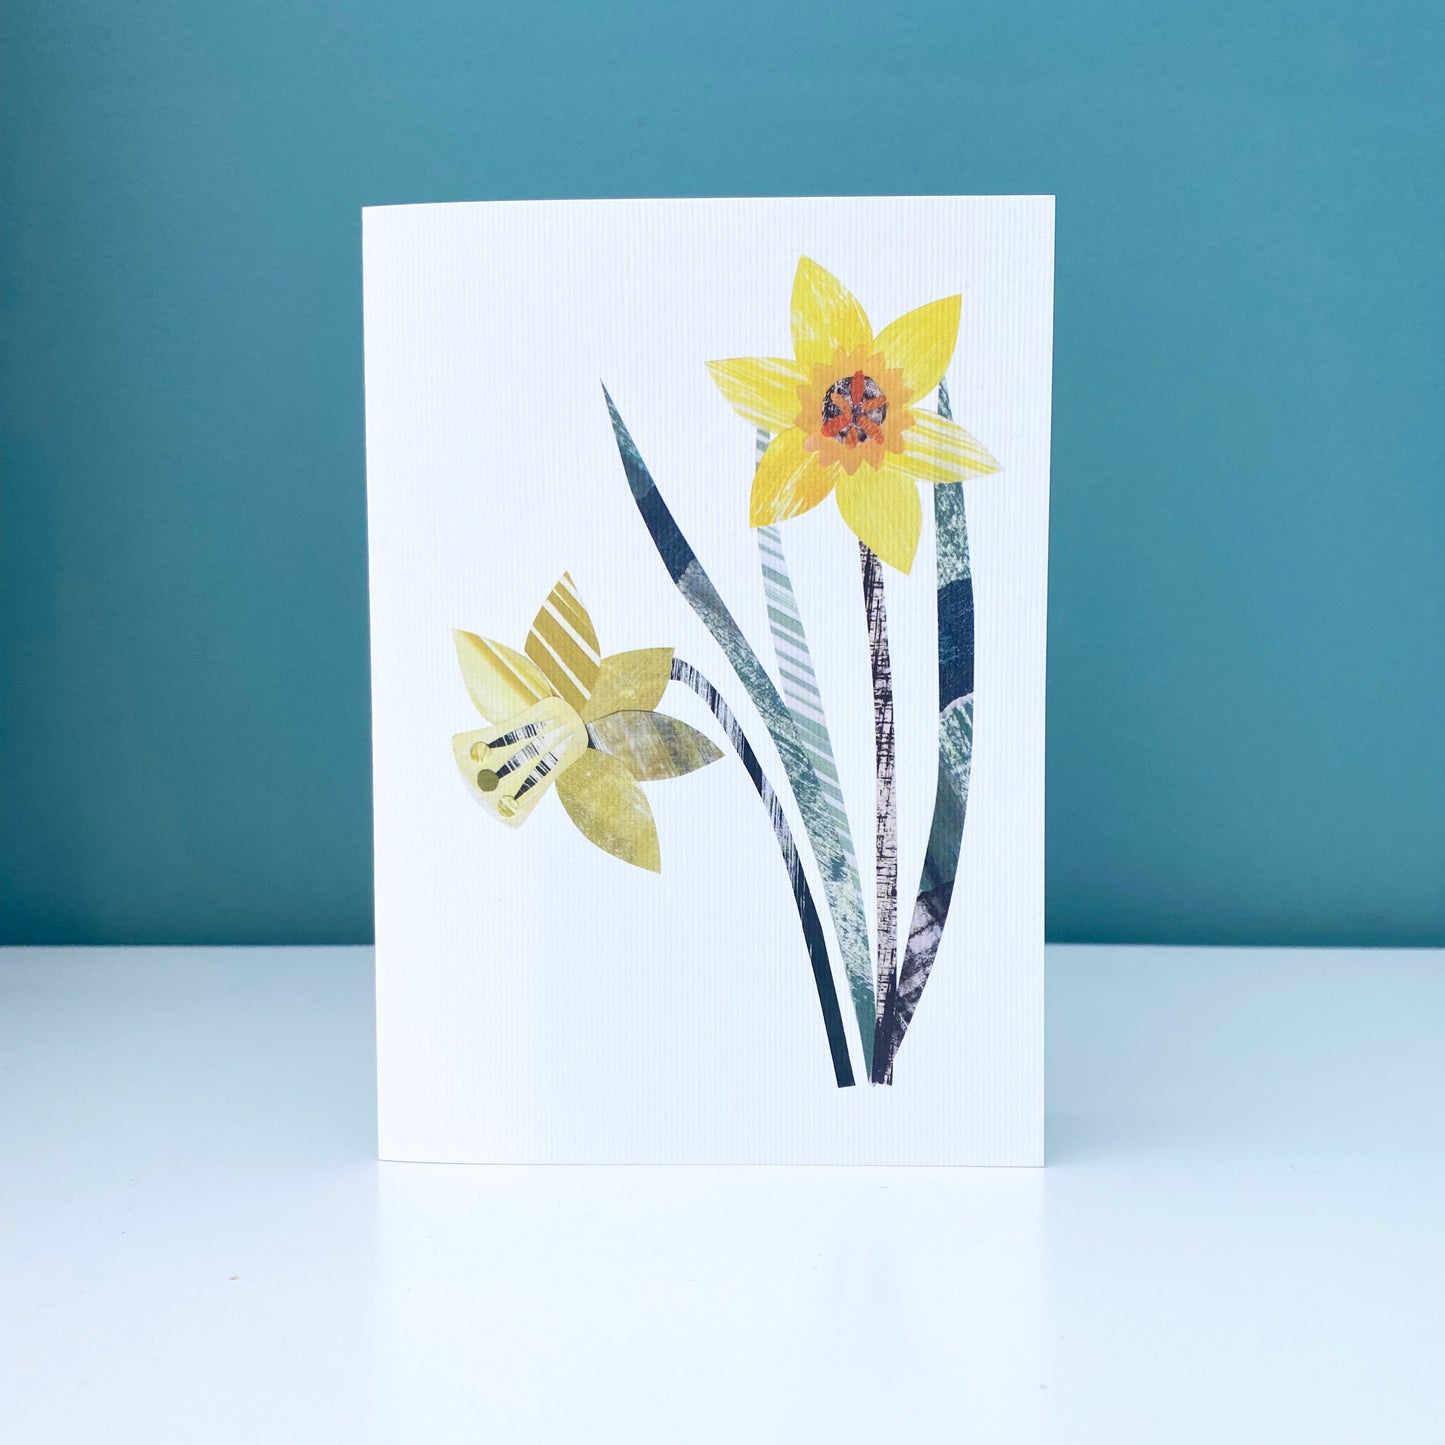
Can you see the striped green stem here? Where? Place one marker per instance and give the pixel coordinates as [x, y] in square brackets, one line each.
[799, 684]
[845, 902]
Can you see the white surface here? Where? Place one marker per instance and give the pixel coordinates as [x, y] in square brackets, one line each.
[1237, 1240]
[531, 989]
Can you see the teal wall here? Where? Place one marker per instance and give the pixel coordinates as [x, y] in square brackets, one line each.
[1246, 689]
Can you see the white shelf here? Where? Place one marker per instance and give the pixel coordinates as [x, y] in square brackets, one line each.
[1238, 1238]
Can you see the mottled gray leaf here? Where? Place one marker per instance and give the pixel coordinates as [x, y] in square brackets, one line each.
[652, 744]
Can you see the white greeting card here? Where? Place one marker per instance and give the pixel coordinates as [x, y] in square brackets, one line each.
[708, 570]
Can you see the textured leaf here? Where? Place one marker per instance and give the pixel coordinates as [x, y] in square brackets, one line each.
[630, 680]
[813, 936]
[955, 764]
[603, 800]
[563, 644]
[652, 744]
[501, 682]
[841, 887]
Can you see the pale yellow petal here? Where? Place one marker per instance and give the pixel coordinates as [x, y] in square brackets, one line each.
[883, 509]
[509, 767]
[826, 316]
[938, 450]
[610, 810]
[563, 644]
[788, 481]
[501, 682]
[764, 389]
[630, 680]
[471, 760]
[920, 344]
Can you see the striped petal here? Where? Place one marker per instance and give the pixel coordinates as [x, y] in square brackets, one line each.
[764, 389]
[501, 682]
[920, 344]
[826, 317]
[788, 481]
[602, 798]
[938, 450]
[883, 510]
[564, 646]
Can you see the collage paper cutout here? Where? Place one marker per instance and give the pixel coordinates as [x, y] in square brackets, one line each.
[863, 417]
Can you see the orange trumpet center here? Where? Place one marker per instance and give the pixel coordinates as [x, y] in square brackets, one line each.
[854, 408]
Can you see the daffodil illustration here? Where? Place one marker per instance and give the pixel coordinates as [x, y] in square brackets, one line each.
[846, 414]
[559, 712]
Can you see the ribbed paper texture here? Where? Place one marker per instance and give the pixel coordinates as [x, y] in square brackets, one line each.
[539, 1000]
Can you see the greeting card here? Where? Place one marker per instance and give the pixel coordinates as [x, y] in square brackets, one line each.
[708, 570]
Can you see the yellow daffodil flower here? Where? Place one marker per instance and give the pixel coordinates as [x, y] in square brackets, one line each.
[847, 415]
[562, 713]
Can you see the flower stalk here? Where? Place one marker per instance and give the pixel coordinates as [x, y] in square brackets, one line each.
[885, 854]
[955, 759]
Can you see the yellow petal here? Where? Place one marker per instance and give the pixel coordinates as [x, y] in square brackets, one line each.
[610, 810]
[764, 389]
[920, 344]
[501, 682]
[788, 481]
[826, 316]
[563, 644]
[630, 680]
[883, 509]
[938, 450]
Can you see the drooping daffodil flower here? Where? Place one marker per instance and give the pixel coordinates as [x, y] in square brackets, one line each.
[561, 713]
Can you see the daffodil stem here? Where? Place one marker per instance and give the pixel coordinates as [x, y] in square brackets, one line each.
[812, 924]
[955, 763]
[886, 797]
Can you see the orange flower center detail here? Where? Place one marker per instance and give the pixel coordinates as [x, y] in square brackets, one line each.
[854, 408]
